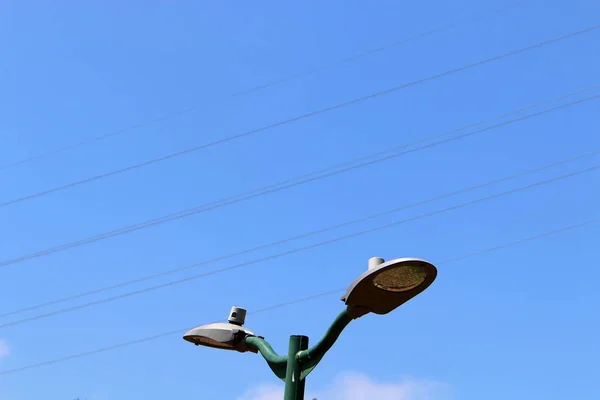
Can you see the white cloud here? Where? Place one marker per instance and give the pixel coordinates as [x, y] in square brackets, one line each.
[4, 349]
[264, 392]
[354, 386]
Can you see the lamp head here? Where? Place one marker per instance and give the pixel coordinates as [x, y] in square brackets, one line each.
[387, 285]
[223, 335]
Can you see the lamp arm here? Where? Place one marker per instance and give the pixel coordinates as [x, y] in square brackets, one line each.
[309, 359]
[277, 363]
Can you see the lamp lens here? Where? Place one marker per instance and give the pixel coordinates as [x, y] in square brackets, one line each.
[204, 341]
[401, 278]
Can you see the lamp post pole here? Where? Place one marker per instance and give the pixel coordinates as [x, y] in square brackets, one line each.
[301, 360]
[379, 290]
[294, 383]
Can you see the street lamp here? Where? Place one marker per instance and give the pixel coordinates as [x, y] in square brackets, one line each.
[379, 290]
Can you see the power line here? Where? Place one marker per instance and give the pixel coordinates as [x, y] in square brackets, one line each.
[258, 88]
[300, 249]
[297, 118]
[160, 335]
[289, 303]
[301, 236]
[274, 188]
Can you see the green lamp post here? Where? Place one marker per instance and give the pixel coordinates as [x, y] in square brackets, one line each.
[379, 290]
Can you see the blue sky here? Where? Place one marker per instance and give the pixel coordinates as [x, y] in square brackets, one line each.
[518, 323]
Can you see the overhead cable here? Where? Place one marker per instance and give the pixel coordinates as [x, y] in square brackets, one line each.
[301, 249]
[263, 86]
[328, 172]
[281, 305]
[300, 236]
[297, 118]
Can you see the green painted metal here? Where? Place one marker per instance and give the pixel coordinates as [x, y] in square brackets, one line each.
[294, 384]
[300, 360]
[309, 359]
[277, 363]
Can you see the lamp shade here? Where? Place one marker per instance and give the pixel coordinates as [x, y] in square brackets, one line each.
[387, 285]
[221, 336]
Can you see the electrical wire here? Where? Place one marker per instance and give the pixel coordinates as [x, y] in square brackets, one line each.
[280, 186]
[267, 85]
[297, 118]
[300, 249]
[301, 236]
[160, 335]
[286, 304]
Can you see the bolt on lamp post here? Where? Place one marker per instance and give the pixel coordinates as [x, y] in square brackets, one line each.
[379, 290]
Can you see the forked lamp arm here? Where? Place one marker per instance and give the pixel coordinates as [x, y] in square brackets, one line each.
[308, 359]
[277, 363]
